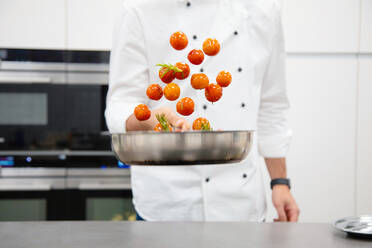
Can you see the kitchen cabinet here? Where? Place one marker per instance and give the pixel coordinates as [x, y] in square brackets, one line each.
[321, 26]
[32, 24]
[321, 161]
[366, 26]
[364, 163]
[90, 23]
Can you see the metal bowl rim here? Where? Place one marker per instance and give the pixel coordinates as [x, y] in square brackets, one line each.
[184, 132]
[350, 218]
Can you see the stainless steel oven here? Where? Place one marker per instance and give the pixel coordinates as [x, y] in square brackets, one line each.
[56, 161]
[30, 194]
[53, 100]
[100, 194]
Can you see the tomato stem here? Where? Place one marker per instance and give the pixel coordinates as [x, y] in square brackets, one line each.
[169, 67]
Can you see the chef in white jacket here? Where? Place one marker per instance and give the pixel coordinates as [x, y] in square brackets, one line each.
[252, 50]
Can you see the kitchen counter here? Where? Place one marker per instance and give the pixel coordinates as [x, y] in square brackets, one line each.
[173, 234]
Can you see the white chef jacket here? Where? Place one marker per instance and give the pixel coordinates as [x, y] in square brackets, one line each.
[252, 49]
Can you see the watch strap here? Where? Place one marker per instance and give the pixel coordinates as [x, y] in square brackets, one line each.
[282, 181]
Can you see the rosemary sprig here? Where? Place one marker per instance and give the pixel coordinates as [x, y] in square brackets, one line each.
[163, 122]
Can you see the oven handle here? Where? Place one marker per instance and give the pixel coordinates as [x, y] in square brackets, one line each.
[101, 186]
[22, 80]
[25, 187]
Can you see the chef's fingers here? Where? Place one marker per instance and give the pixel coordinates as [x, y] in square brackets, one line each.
[293, 214]
[281, 213]
[182, 125]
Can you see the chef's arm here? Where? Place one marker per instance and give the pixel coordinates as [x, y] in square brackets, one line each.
[273, 132]
[276, 167]
[282, 198]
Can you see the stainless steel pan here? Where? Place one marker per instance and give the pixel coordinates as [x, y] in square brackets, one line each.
[182, 148]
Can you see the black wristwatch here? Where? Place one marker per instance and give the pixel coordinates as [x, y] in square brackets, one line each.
[283, 181]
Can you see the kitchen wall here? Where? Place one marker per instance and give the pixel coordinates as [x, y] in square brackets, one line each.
[329, 71]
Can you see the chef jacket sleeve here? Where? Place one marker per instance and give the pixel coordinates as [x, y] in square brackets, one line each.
[272, 128]
[129, 72]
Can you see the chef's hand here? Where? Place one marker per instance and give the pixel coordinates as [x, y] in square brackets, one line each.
[285, 204]
[177, 122]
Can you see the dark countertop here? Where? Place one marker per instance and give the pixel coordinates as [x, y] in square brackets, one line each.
[173, 234]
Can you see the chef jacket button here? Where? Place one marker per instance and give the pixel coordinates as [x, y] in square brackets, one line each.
[243, 104]
[204, 106]
[188, 4]
[240, 69]
[194, 37]
[235, 32]
[201, 69]
[207, 179]
[244, 175]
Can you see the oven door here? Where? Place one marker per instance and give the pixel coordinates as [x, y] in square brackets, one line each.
[100, 194]
[52, 117]
[32, 194]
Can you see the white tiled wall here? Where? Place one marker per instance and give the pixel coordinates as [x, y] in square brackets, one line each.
[364, 151]
[321, 163]
[90, 22]
[32, 24]
[330, 88]
[366, 26]
[321, 25]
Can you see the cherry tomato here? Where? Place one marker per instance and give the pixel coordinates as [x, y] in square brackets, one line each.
[172, 91]
[211, 47]
[178, 40]
[201, 124]
[142, 112]
[185, 70]
[196, 57]
[163, 124]
[199, 81]
[224, 78]
[154, 92]
[185, 106]
[213, 92]
[166, 75]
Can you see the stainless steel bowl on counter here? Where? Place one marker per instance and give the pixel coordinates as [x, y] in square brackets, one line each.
[359, 226]
[182, 148]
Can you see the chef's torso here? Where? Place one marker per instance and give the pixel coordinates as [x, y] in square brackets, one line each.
[231, 192]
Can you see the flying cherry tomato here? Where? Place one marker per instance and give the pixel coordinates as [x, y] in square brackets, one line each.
[178, 40]
[185, 70]
[196, 57]
[224, 78]
[213, 92]
[201, 124]
[154, 92]
[142, 112]
[211, 47]
[199, 81]
[185, 106]
[166, 74]
[172, 91]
